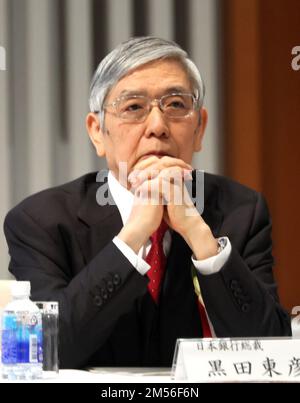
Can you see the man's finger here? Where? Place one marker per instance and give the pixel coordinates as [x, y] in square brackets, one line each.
[171, 173]
[161, 163]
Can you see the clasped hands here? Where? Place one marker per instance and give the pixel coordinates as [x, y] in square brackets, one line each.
[160, 193]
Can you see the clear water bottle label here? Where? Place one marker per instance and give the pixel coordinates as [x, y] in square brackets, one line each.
[22, 338]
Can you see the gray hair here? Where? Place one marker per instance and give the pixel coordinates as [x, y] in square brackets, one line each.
[132, 54]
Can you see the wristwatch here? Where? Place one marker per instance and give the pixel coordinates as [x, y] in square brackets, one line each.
[222, 242]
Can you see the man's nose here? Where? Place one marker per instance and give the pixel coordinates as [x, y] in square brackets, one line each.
[156, 123]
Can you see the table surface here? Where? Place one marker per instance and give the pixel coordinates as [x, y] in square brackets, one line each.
[109, 375]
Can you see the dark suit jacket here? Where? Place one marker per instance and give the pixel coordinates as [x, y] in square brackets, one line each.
[61, 240]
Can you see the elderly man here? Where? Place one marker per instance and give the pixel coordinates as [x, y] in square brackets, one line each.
[134, 274]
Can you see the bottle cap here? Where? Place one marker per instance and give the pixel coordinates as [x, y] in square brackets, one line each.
[20, 288]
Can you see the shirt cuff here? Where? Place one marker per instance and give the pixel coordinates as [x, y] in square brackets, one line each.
[137, 262]
[213, 264]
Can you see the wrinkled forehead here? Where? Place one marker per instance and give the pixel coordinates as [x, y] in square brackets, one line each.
[153, 78]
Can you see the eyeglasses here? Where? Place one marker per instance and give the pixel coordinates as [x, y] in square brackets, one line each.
[135, 108]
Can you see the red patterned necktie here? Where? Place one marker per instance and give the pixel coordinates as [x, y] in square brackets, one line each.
[157, 260]
[206, 332]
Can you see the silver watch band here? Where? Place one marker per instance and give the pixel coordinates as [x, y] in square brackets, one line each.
[222, 242]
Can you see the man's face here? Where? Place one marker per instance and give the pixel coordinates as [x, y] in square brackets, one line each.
[129, 142]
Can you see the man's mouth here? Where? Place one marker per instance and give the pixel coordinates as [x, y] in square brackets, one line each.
[155, 154]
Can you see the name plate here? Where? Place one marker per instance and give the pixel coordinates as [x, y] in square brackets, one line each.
[237, 360]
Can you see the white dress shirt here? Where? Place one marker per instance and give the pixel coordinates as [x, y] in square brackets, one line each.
[124, 202]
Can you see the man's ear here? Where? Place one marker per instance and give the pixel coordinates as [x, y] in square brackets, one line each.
[95, 133]
[199, 132]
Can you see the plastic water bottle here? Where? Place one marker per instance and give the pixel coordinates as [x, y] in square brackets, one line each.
[22, 354]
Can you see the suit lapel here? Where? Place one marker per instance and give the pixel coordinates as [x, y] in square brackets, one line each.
[212, 214]
[98, 224]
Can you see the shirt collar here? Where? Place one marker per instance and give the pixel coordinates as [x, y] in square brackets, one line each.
[122, 197]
